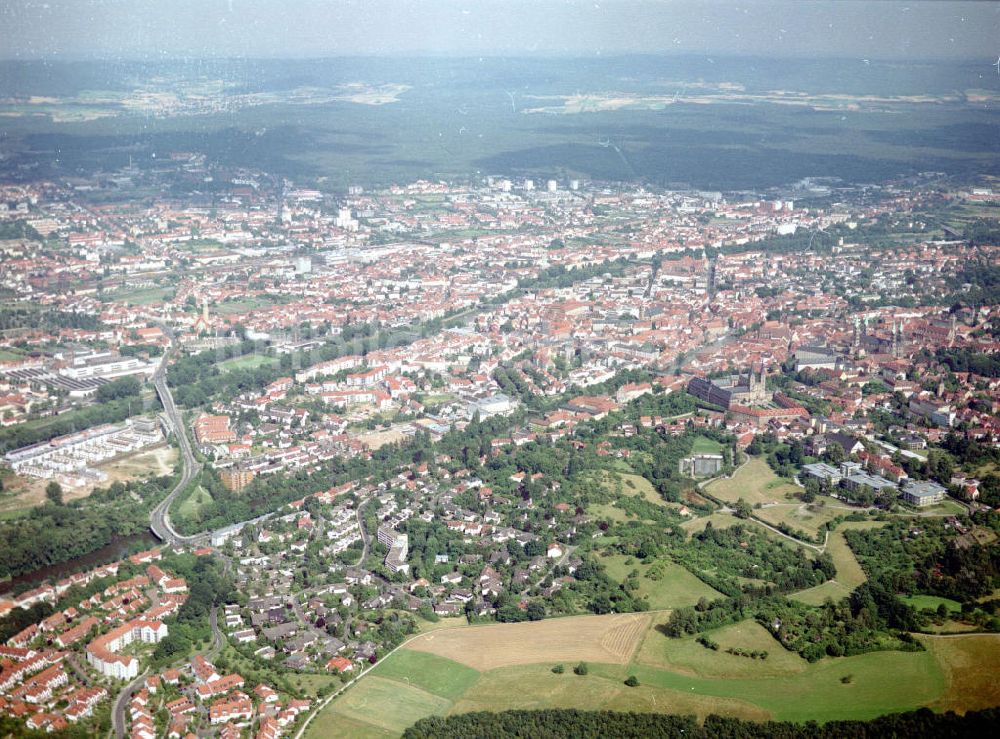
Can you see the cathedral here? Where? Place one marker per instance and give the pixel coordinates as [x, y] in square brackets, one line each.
[740, 389]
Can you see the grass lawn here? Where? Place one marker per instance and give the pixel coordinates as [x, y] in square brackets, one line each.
[250, 361]
[437, 675]
[881, 682]
[944, 508]
[143, 296]
[755, 482]
[718, 520]
[195, 502]
[921, 602]
[808, 517]
[704, 445]
[608, 511]
[663, 584]
[689, 657]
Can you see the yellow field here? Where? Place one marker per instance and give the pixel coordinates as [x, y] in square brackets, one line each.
[612, 638]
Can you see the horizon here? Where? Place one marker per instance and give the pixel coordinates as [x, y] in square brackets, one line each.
[308, 29]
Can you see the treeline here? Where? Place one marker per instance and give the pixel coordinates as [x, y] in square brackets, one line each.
[16, 317]
[575, 724]
[18, 230]
[25, 434]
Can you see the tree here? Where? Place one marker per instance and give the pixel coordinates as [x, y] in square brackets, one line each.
[559, 669]
[581, 669]
[54, 492]
[632, 681]
[742, 509]
[536, 611]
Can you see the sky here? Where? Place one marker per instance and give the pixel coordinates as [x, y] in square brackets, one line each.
[151, 29]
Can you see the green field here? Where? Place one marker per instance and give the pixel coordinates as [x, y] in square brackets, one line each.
[143, 296]
[663, 584]
[881, 682]
[608, 511]
[233, 307]
[689, 657]
[194, 502]
[250, 361]
[921, 602]
[704, 445]
[755, 482]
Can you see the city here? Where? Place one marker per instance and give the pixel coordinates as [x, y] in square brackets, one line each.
[381, 376]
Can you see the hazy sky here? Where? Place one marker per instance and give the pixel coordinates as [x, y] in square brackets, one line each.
[73, 29]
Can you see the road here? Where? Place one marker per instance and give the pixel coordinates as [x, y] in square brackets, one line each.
[365, 536]
[217, 637]
[159, 519]
[121, 702]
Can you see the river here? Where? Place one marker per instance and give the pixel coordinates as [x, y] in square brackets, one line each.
[117, 549]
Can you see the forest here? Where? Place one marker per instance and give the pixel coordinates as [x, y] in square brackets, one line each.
[575, 724]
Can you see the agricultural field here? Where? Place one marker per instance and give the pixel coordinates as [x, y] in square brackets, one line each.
[663, 584]
[611, 638]
[509, 666]
[755, 482]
